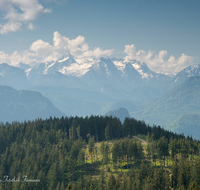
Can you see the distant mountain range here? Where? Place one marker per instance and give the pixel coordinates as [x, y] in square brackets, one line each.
[118, 73]
[92, 74]
[97, 86]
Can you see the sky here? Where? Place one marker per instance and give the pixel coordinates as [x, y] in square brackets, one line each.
[165, 34]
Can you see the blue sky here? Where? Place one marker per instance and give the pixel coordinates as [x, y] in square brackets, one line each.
[163, 33]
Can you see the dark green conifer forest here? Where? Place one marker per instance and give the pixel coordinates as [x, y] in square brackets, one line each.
[95, 153]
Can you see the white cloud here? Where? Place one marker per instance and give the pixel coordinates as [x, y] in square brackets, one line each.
[29, 10]
[30, 26]
[96, 53]
[41, 51]
[16, 58]
[73, 46]
[4, 58]
[76, 47]
[156, 62]
[10, 26]
[41, 48]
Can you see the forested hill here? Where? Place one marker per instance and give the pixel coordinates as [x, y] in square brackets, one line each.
[101, 127]
[62, 154]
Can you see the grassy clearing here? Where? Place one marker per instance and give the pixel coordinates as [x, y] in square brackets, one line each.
[94, 168]
[143, 137]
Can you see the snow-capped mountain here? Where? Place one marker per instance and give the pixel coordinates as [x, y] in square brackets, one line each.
[141, 68]
[138, 74]
[192, 70]
[103, 66]
[66, 65]
[145, 73]
[104, 72]
[119, 73]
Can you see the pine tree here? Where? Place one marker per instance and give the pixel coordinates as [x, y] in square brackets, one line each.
[115, 151]
[184, 174]
[62, 186]
[193, 186]
[107, 133]
[126, 151]
[197, 169]
[140, 151]
[102, 148]
[134, 151]
[111, 182]
[101, 180]
[91, 147]
[148, 150]
[174, 177]
[106, 154]
[159, 180]
[78, 132]
[173, 146]
[58, 186]
[153, 152]
[81, 157]
[53, 176]
[80, 183]
[162, 148]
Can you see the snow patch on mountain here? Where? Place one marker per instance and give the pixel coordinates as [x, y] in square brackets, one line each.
[108, 72]
[47, 67]
[65, 59]
[28, 71]
[194, 67]
[142, 68]
[78, 68]
[176, 79]
[138, 68]
[75, 69]
[120, 65]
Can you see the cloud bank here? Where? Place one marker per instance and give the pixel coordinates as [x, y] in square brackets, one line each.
[16, 58]
[156, 62]
[61, 45]
[41, 51]
[18, 12]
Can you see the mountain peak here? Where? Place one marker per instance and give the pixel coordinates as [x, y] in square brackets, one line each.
[120, 113]
[192, 70]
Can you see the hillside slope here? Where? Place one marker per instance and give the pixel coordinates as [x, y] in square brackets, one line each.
[188, 124]
[183, 99]
[25, 105]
